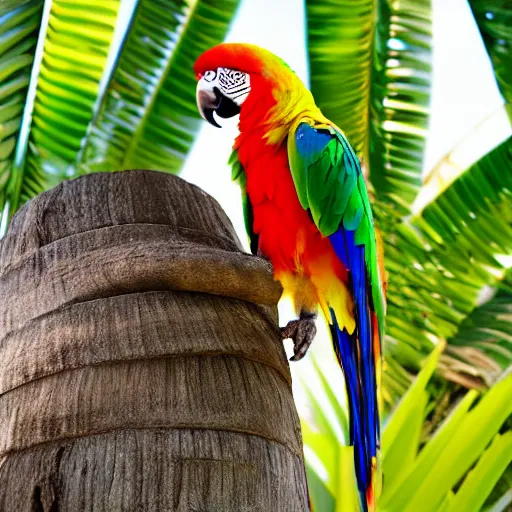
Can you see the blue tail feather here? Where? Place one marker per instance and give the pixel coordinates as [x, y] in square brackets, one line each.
[345, 346]
[357, 358]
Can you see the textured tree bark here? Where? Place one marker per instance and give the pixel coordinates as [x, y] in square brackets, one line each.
[141, 366]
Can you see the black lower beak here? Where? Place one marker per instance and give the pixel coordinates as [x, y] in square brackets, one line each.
[226, 108]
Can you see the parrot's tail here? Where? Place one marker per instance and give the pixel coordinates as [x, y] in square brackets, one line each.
[358, 352]
[364, 419]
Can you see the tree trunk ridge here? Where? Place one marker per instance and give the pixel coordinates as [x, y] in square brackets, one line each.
[141, 365]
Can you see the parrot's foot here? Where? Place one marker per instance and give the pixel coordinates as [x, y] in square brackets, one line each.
[302, 332]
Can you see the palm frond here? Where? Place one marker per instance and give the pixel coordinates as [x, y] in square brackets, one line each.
[148, 116]
[399, 99]
[340, 45]
[375, 84]
[145, 116]
[19, 27]
[75, 40]
[439, 265]
[483, 343]
[481, 480]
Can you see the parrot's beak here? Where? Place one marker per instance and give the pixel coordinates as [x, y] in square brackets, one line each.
[207, 101]
[210, 100]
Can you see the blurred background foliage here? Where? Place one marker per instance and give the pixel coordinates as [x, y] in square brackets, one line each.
[100, 85]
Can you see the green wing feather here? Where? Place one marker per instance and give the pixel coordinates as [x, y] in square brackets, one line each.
[330, 184]
[238, 176]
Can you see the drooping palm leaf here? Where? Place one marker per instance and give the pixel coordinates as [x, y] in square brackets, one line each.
[19, 27]
[376, 84]
[75, 40]
[400, 97]
[469, 227]
[145, 117]
[494, 19]
[340, 42]
[485, 185]
[148, 117]
[460, 244]
[484, 340]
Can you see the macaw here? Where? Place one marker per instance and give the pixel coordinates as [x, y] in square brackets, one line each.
[307, 210]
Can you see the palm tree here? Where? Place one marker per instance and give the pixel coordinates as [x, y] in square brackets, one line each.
[121, 95]
[156, 381]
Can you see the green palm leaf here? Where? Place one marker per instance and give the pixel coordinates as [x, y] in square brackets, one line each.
[494, 19]
[85, 114]
[399, 99]
[148, 116]
[376, 85]
[339, 39]
[437, 269]
[484, 340]
[481, 480]
[19, 26]
[469, 227]
[478, 428]
[73, 47]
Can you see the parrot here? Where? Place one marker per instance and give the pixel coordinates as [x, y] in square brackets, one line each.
[307, 210]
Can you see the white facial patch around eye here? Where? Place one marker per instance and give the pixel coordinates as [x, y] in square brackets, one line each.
[235, 85]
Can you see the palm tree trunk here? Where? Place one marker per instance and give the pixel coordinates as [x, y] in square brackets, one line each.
[141, 367]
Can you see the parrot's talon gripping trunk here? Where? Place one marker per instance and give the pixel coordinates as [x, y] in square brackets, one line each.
[302, 332]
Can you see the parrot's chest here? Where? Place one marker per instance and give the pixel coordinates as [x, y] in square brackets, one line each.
[287, 235]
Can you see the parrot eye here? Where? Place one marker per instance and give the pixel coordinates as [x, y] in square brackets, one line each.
[209, 76]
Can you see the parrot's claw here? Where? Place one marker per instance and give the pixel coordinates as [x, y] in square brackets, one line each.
[302, 332]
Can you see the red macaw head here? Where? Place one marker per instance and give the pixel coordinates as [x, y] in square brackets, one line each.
[229, 72]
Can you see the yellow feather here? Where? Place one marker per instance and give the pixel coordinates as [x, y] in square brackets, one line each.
[334, 294]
